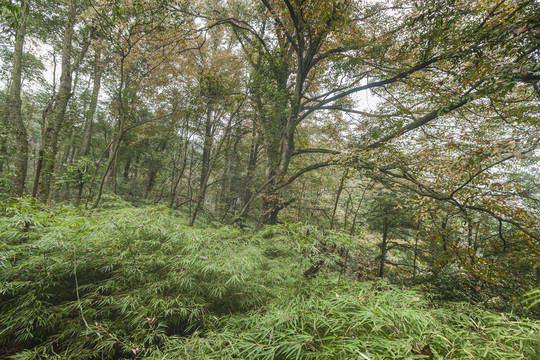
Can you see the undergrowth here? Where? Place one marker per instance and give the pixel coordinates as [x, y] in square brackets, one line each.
[139, 283]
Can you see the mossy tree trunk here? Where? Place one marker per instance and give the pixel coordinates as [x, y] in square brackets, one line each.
[49, 141]
[14, 106]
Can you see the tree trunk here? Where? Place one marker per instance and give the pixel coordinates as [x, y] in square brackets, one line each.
[270, 209]
[151, 182]
[14, 110]
[252, 165]
[53, 126]
[4, 134]
[415, 255]
[112, 161]
[86, 141]
[115, 146]
[127, 168]
[89, 118]
[338, 195]
[353, 226]
[154, 169]
[204, 181]
[184, 149]
[207, 151]
[348, 209]
[384, 246]
[287, 121]
[176, 182]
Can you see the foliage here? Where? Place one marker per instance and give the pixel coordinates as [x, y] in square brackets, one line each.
[532, 298]
[139, 275]
[397, 141]
[140, 283]
[329, 321]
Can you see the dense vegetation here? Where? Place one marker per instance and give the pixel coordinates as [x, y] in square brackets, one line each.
[140, 283]
[270, 178]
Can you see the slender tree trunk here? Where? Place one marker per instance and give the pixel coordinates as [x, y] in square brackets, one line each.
[151, 182]
[225, 192]
[348, 208]
[154, 169]
[55, 121]
[353, 226]
[204, 181]
[65, 158]
[231, 189]
[190, 186]
[184, 149]
[252, 165]
[179, 178]
[112, 162]
[415, 255]
[4, 134]
[336, 202]
[89, 118]
[15, 110]
[72, 155]
[384, 246]
[127, 168]
[86, 141]
[207, 152]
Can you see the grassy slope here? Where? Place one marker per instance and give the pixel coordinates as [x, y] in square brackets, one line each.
[139, 283]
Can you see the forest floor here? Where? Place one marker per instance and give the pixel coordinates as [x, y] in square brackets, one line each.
[139, 283]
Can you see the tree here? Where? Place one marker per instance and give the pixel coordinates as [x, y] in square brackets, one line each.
[316, 54]
[14, 104]
[86, 140]
[240, 108]
[144, 40]
[54, 121]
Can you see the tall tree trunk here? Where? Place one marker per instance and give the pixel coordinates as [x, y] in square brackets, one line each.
[190, 186]
[15, 109]
[86, 140]
[278, 162]
[204, 181]
[54, 123]
[180, 175]
[113, 155]
[230, 189]
[207, 151]
[272, 203]
[113, 174]
[89, 118]
[225, 192]
[252, 165]
[112, 162]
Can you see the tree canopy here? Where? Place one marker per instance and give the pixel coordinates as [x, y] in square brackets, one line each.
[415, 119]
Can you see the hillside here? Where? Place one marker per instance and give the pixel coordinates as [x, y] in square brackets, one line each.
[138, 283]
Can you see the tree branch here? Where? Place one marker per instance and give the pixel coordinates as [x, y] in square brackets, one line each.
[315, 151]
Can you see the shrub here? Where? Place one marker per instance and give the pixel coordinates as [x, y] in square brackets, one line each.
[140, 283]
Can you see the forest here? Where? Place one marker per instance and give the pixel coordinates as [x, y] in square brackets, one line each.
[269, 179]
